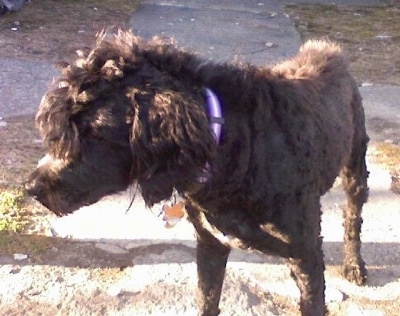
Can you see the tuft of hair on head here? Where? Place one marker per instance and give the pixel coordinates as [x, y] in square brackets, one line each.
[95, 72]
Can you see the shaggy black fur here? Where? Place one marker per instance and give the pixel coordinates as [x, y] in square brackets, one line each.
[134, 111]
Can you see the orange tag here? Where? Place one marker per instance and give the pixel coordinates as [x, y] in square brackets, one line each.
[173, 214]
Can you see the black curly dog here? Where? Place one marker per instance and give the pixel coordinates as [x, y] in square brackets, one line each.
[130, 111]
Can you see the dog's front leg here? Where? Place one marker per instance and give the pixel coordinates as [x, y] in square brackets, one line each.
[211, 262]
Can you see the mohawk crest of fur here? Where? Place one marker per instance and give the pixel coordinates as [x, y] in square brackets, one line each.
[94, 73]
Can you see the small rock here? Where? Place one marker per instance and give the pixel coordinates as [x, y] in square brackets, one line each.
[3, 124]
[20, 256]
[269, 44]
[383, 37]
[366, 84]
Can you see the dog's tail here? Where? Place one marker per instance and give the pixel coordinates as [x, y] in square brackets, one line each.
[315, 58]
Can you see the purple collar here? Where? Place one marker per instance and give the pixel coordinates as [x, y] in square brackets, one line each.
[215, 113]
[216, 121]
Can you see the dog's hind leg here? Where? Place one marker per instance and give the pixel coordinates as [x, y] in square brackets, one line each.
[307, 268]
[354, 180]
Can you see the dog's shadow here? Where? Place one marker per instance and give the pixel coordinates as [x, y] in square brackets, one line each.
[382, 259]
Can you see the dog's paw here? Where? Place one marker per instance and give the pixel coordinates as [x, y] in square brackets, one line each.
[355, 273]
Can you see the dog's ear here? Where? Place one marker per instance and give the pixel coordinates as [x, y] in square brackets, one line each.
[172, 142]
[59, 133]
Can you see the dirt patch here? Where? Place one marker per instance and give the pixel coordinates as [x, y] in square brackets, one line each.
[52, 30]
[20, 150]
[370, 36]
[389, 155]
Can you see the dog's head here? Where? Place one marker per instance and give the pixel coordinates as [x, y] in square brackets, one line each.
[115, 118]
